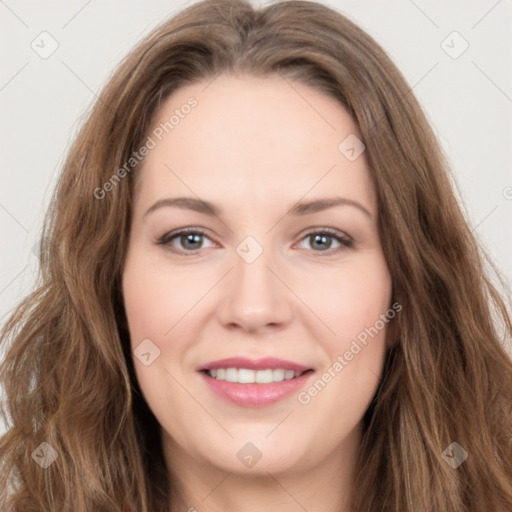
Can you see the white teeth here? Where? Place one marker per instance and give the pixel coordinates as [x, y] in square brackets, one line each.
[231, 375]
[264, 376]
[278, 375]
[247, 376]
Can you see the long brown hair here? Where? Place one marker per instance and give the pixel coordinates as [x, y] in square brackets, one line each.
[68, 373]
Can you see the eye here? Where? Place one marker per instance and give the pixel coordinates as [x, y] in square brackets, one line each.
[189, 239]
[321, 238]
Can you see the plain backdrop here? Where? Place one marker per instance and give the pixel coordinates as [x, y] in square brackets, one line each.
[455, 54]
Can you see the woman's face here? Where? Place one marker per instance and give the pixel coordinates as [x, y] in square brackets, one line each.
[222, 317]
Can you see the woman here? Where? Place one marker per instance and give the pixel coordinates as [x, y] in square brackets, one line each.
[258, 369]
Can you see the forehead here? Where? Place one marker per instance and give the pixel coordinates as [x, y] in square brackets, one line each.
[259, 138]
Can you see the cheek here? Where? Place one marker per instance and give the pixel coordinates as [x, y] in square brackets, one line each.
[156, 301]
[356, 306]
[156, 304]
[348, 299]
[163, 305]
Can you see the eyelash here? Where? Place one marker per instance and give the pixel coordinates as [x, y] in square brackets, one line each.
[345, 241]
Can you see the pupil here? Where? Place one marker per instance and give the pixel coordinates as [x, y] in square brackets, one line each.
[191, 238]
[323, 238]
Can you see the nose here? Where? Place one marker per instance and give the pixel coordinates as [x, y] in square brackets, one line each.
[255, 297]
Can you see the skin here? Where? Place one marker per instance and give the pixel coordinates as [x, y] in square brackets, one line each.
[254, 147]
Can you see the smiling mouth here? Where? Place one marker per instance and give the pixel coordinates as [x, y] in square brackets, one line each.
[249, 376]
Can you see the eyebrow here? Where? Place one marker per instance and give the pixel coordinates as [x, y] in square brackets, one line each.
[301, 208]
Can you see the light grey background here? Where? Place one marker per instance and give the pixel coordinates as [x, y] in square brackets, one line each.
[468, 100]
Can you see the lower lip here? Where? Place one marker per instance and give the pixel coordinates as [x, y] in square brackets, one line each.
[255, 395]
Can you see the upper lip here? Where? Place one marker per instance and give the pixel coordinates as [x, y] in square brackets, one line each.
[264, 363]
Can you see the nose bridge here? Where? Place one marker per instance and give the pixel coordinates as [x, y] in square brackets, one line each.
[254, 296]
[252, 275]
